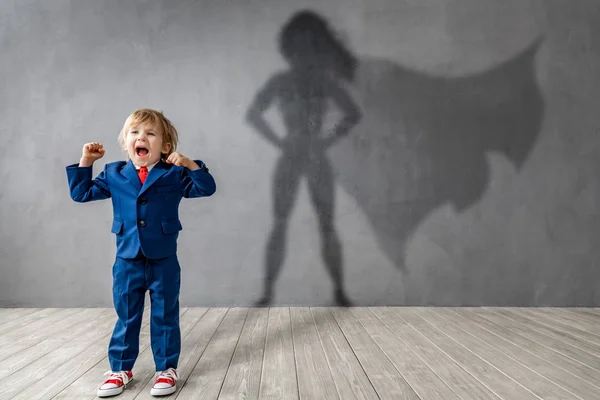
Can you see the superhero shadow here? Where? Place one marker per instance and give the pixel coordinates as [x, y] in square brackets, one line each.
[416, 142]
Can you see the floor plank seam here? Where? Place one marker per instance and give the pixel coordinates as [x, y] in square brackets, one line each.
[387, 356]
[42, 355]
[72, 356]
[580, 333]
[499, 350]
[179, 389]
[419, 357]
[450, 357]
[558, 351]
[264, 352]
[107, 338]
[294, 351]
[479, 356]
[355, 355]
[549, 329]
[233, 353]
[546, 359]
[338, 353]
[4, 325]
[337, 389]
[517, 361]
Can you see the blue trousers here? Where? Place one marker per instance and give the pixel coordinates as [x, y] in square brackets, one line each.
[131, 279]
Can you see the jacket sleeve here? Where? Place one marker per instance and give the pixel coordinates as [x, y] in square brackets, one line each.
[83, 188]
[198, 183]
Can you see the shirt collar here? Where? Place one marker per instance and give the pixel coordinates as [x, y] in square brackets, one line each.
[137, 167]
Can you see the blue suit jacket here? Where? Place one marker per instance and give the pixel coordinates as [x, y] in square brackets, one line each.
[145, 216]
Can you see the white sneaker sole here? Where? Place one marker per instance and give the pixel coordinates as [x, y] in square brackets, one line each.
[162, 392]
[110, 392]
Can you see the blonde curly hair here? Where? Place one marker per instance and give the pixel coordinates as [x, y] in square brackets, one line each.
[158, 120]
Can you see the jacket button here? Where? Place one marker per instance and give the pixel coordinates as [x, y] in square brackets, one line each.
[143, 201]
[142, 223]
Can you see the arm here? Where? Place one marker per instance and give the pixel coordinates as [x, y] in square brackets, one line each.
[197, 182]
[83, 188]
[79, 176]
[195, 179]
[260, 104]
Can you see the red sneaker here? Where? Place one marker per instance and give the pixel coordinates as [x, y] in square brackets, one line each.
[115, 384]
[165, 383]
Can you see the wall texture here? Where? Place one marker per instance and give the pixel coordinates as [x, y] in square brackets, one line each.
[468, 173]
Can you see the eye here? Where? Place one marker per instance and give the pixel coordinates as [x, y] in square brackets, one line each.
[133, 132]
[151, 133]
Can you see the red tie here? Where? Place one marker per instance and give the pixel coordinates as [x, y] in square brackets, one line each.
[143, 173]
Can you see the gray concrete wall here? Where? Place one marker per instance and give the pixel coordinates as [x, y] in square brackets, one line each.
[471, 177]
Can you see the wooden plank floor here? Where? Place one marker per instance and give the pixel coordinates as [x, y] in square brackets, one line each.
[317, 353]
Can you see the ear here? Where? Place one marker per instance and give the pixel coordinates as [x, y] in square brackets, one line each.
[166, 148]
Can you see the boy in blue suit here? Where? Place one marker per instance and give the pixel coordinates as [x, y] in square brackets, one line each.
[146, 191]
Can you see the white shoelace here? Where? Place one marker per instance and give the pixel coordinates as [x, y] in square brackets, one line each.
[170, 373]
[118, 375]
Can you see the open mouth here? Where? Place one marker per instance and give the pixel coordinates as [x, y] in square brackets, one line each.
[141, 151]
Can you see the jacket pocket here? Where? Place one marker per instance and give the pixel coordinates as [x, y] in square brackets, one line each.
[117, 226]
[171, 226]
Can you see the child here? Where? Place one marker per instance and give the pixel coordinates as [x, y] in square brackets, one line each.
[146, 191]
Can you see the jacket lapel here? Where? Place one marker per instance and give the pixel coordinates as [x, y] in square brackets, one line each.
[131, 174]
[155, 173]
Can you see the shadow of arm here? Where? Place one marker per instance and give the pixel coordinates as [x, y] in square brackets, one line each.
[351, 113]
[262, 101]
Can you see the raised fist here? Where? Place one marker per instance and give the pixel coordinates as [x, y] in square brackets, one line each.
[92, 151]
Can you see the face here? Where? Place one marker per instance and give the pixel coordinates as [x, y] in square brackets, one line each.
[144, 144]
